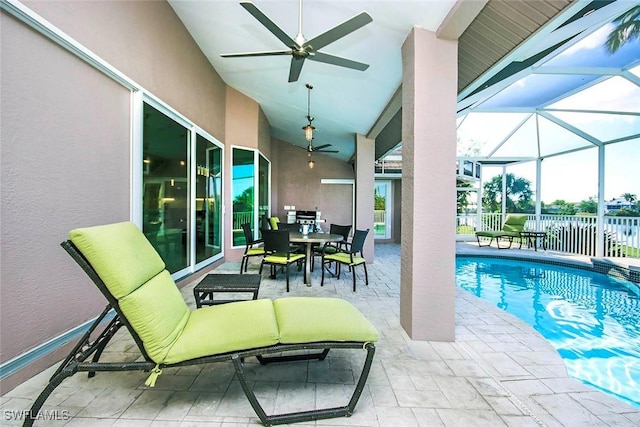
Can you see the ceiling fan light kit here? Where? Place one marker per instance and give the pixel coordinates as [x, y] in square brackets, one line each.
[300, 48]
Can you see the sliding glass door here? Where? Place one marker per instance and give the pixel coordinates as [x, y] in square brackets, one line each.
[181, 190]
[208, 203]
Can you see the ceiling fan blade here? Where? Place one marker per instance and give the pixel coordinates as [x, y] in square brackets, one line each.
[265, 53]
[339, 31]
[296, 67]
[325, 151]
[320, 147]
[268, 23]
[336, 60]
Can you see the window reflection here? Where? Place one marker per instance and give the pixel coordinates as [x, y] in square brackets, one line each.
[166, 187]
[208, 223]
[243, 192]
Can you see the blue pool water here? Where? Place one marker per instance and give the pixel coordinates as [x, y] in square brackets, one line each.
[593, 320]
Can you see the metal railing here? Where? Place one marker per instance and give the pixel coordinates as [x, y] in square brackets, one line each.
[573, 234]
[240, 218]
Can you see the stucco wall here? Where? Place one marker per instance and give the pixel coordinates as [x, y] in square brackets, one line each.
[66, 150]
[300, 186]
[65, 164]
[147, 42]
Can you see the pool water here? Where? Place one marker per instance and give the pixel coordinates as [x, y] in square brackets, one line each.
[592, 319]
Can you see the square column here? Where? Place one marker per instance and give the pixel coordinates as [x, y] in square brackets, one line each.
[429, 91]
[364, 195]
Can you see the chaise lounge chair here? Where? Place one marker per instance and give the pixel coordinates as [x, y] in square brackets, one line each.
[132, 277]
[511, 229]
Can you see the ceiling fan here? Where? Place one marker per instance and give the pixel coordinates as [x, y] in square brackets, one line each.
[319, 149]
[301, 48]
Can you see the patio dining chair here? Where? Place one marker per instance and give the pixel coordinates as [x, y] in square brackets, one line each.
[279, 253]
[145, 299]
[351, 256]
[332, 247]
[250, 250]
[513, 226]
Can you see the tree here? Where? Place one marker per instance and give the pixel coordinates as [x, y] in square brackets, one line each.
[379, 201]
[559, 207]
[518, 194]
[463, 197]
[627, 29]
[244, 201]
[588, 206]
[630, 197]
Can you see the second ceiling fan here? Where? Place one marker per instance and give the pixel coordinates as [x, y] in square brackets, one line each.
[301, 48]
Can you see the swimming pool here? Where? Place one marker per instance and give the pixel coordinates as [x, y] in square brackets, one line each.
[593, 320]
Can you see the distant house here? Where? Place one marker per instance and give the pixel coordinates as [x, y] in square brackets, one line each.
[617, 204]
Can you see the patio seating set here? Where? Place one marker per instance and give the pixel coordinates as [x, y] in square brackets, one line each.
[283, 245]
[513, 228]
[129, 272]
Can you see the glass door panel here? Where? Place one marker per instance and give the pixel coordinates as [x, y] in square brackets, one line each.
[243, 189]
[166, 187]
[263, 188]
[208, 206]
[382, 210]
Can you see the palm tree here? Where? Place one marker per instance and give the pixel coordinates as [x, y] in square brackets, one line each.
[628, 29]
[518, 197]
[630, 197]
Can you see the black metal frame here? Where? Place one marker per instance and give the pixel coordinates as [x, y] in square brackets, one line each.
[356, 246]
[276, 242]
[85, 348]
[497, 237]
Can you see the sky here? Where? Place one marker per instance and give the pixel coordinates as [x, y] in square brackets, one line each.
[607, 110]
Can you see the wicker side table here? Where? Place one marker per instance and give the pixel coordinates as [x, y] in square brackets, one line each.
[225, 283]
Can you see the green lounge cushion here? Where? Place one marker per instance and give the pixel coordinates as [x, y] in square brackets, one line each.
[282, 259]
[512, 227]
[158, 314]
[308, 319]
[134, 274]
[121, 255]
[225, 328]
[255, 252]
[344, 258]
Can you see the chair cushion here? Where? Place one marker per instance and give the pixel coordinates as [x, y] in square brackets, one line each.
[121, 255]
[273, 222]
[255, 252]
[307, 319]
[158, 314]
[134, 274]
[282, 259]
[514, 223]
[224, 328]
[345, 258]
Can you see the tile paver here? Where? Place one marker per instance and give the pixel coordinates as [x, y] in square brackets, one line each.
[499, 371]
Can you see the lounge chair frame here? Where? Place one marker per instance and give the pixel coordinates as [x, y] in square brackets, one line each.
[76, 361]
[513, 225]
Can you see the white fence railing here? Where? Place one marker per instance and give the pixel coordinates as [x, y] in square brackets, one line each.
[569, 233]
[240, 218]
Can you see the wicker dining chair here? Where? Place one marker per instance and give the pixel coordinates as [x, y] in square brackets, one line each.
[250, 250]
[351, 256]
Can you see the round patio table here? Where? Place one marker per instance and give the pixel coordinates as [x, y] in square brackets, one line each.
[309, 240]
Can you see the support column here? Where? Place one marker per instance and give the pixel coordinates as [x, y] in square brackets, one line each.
[364, 197]
[600, 240]
[429, 89]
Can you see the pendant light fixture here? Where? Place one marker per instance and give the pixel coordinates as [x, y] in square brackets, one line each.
[311, 163]
[308, 128]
